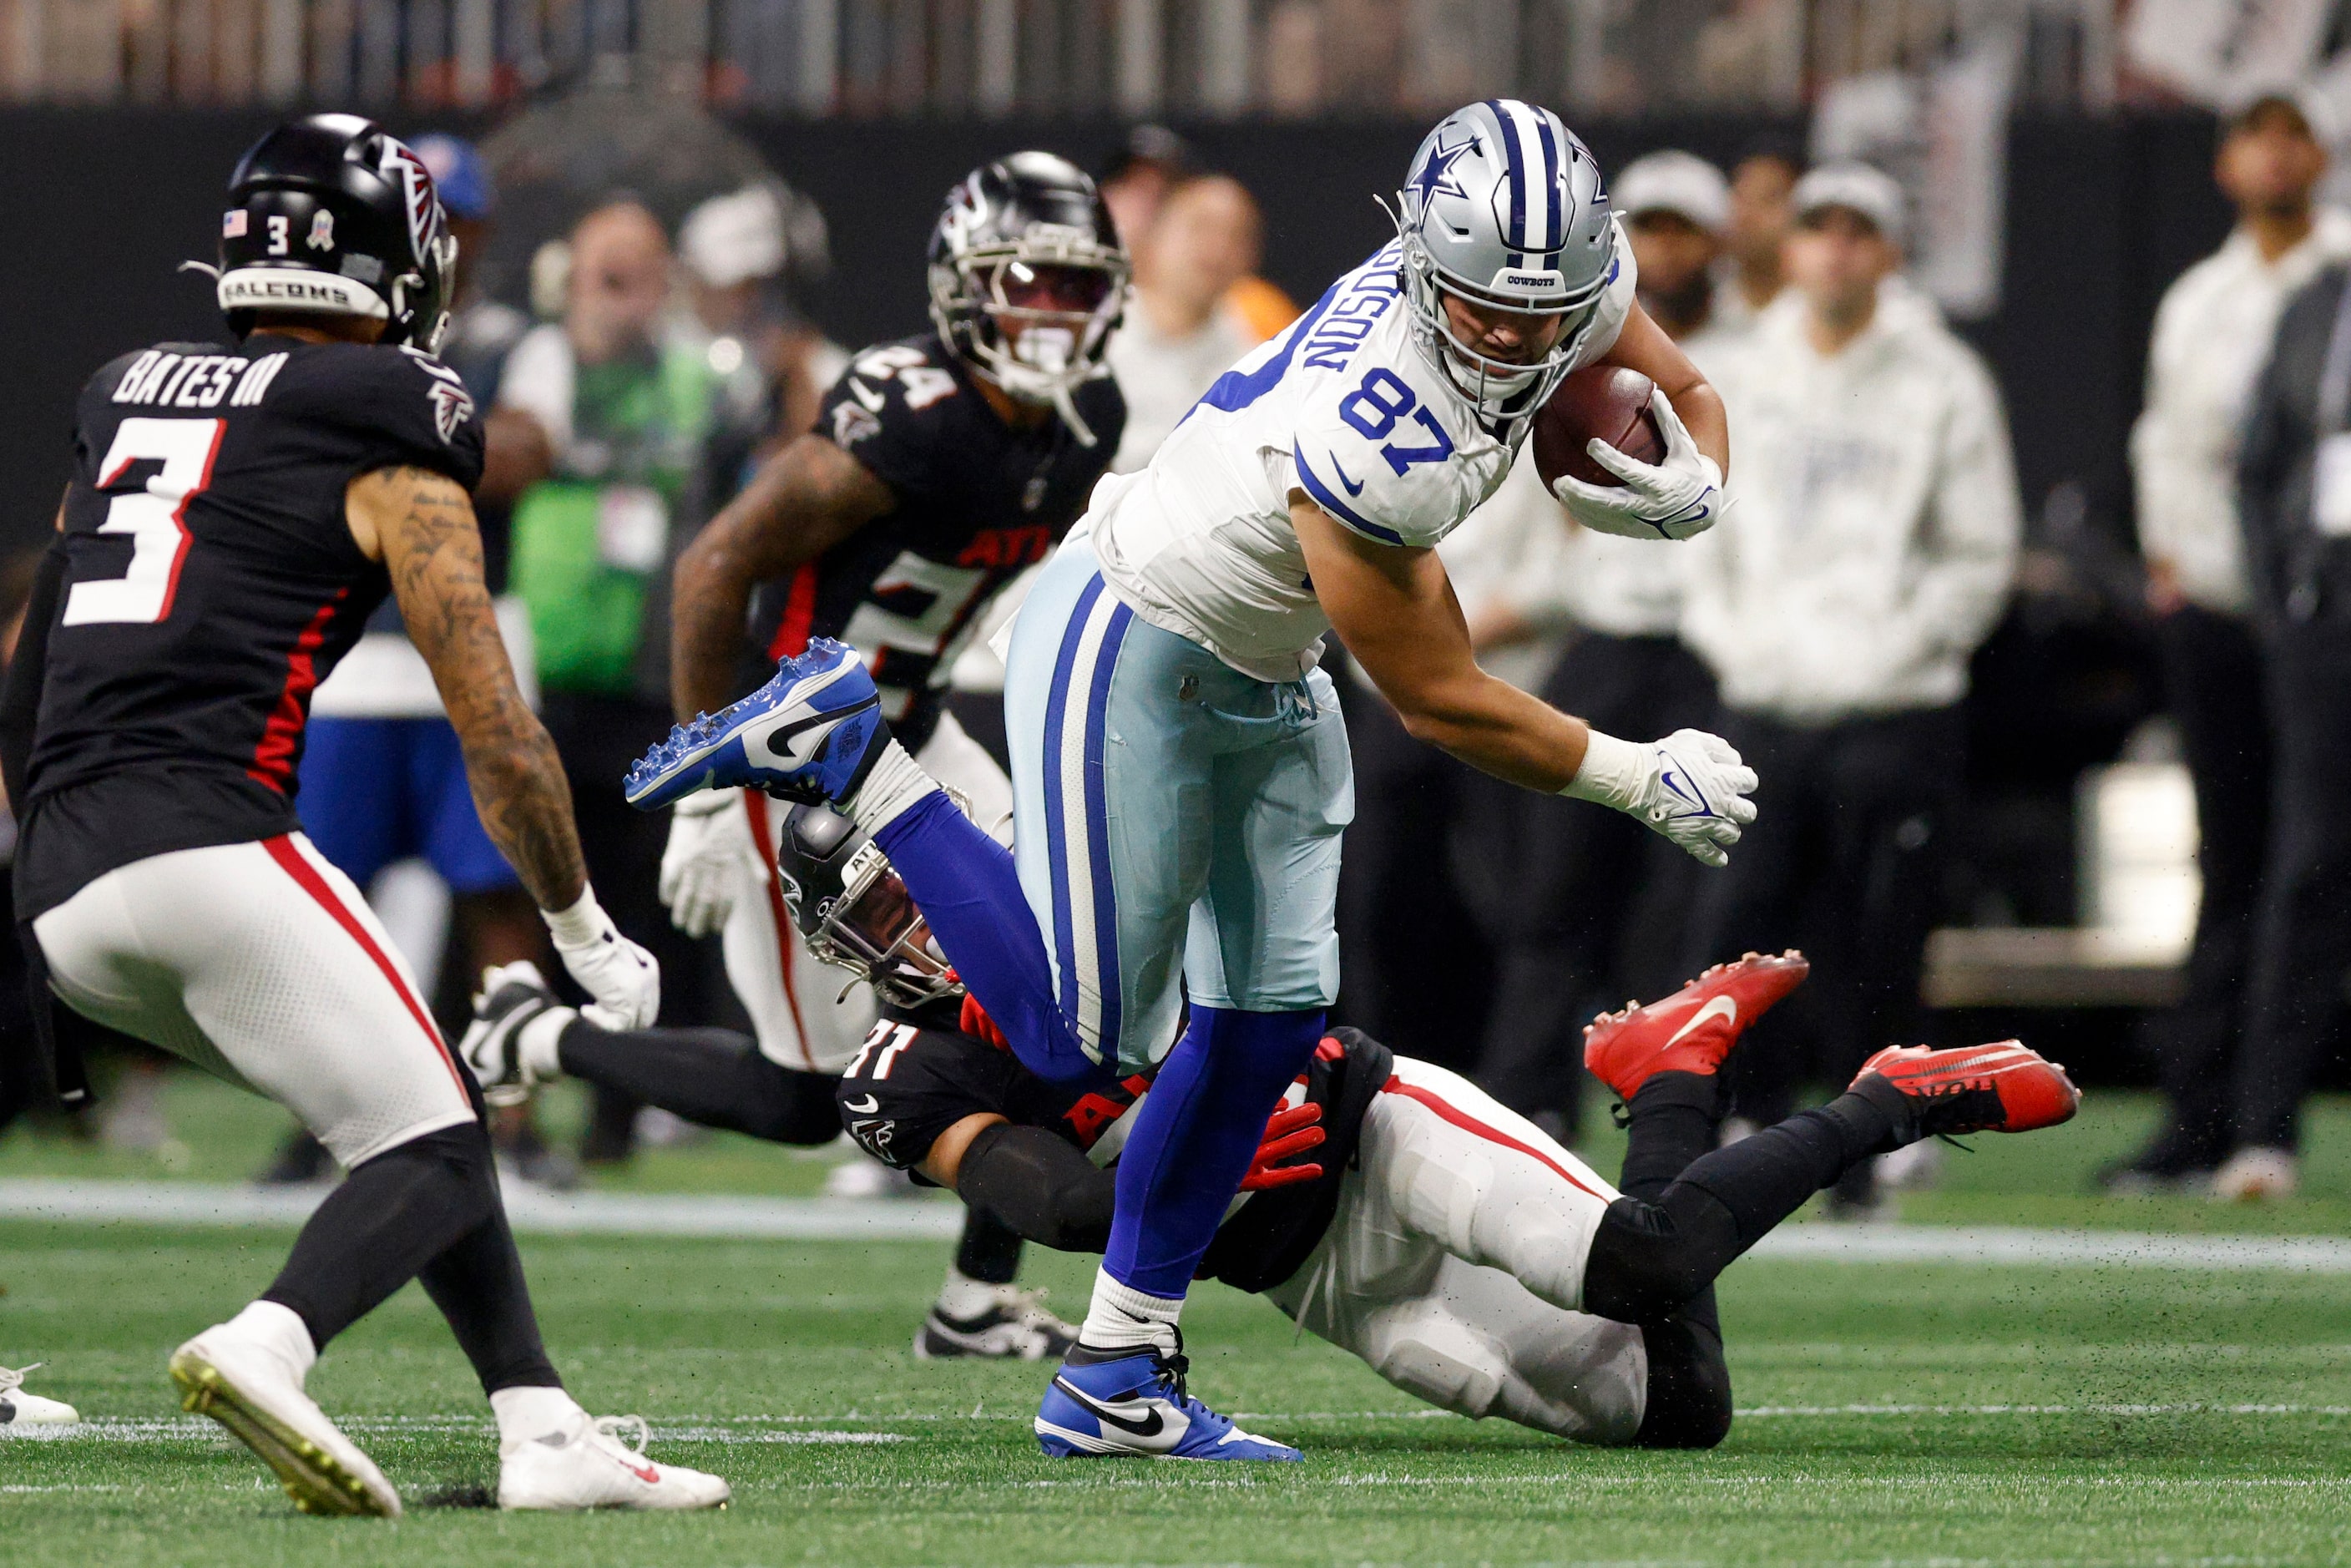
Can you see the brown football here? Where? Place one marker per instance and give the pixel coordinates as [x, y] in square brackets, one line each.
[1605, 401]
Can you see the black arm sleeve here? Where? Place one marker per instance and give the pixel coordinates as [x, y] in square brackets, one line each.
[20, 701]
[1034, 1181]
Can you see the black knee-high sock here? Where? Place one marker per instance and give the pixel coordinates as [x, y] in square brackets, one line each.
[390, 1216]
[711, 1077]
[989, 1250]
[1670, 1124]
[477, 1283]
[1650, 1257]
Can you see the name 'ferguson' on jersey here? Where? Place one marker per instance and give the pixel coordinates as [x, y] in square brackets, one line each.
[979, 502]
[1343, 405]
[211, 582]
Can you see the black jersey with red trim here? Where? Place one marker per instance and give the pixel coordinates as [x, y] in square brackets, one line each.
[917, 1076]
[978, 502]
[211, 582]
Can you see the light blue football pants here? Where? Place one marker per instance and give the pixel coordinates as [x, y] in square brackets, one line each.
[1173, 819]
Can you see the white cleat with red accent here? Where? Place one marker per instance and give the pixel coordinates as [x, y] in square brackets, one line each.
[587, 1463]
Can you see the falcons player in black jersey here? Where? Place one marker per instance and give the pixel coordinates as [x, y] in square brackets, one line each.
[1394, 1208]
[942, 466]
[236, 512]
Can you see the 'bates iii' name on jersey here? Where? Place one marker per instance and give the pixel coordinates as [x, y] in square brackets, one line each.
[977, 503]
[211, 584]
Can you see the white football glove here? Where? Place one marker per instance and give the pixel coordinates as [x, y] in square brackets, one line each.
[1691, 786]
[710, 861]
[623, 978]
[1669, 500]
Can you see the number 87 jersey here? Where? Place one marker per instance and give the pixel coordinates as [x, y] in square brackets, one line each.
[1344, 405]
[211, 582]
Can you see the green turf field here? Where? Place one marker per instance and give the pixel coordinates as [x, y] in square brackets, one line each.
[1890, 1413]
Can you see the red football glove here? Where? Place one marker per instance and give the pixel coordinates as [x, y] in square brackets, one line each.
[975, 1023]
[1291, 1131]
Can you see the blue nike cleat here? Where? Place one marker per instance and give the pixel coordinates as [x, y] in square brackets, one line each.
[810, 734]
[1136, 1405]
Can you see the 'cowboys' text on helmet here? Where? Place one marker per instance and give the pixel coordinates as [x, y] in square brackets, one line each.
[1504, 207]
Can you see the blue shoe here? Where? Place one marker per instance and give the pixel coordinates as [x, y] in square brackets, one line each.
[1136, 1405]
[810, 734]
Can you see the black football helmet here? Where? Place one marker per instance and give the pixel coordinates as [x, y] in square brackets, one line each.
[1027, 279]
[854, 912]
[328, 214]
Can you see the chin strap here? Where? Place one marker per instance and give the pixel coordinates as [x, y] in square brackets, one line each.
[1066, 406]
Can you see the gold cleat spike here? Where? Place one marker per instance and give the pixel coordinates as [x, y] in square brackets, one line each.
[312, 1477]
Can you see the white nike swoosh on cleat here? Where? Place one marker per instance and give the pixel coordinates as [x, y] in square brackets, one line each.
[1723, 1007]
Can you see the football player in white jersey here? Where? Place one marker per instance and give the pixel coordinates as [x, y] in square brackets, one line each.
[1180, 768]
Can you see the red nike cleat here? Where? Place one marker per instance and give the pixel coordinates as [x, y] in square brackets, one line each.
[1693, 1029]
[2000, 1088]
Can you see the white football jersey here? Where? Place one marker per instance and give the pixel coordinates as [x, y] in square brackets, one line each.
[1343, 405]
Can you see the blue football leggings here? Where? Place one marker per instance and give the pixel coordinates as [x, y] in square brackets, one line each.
[964, 884]
[1194, 1136]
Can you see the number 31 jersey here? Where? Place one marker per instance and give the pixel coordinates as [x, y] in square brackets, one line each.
[977, 503]
[211, 582]
[1343, 405]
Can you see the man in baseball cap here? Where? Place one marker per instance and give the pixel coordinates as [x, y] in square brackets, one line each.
[1676, 206]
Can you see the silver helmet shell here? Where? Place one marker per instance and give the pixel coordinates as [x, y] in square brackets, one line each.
[1505, 206]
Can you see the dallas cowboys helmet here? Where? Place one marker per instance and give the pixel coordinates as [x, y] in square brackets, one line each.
[328, 215]
[1027, 279]
[854, 912]
[1504, 207]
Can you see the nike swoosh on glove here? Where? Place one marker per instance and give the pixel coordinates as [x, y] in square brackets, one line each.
[710, 861]
[623, 978]
[1669, 500]
[1695, 794]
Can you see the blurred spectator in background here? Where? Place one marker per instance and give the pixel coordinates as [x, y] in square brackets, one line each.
[1759, 218]
[740, 251]
[1153, 161]
[2212, 335]
[630, 404]
[1580, 910]
[1177, 336]
[383, 778]
[1871, 551]
[2293, 500]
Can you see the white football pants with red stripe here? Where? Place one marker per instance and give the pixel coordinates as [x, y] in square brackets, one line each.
[261, 963]
[1455, 1266]
[801, 1014]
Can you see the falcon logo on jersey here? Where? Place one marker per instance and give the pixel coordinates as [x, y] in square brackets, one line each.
[851, 424]
[452, 407]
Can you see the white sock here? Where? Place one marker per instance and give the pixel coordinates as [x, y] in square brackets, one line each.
[531, 1412]
[964, 1298]
[1122, 1318]
[281, 1330]
[537, 1044]
[896, 785]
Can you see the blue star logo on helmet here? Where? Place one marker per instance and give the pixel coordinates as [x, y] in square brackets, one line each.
[1435, 176]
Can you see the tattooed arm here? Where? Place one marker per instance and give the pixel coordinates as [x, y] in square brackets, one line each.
[807, 499]
[421, 524]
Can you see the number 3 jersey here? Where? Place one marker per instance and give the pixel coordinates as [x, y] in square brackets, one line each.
[1343, 405]
[211, 582]
[977, 503]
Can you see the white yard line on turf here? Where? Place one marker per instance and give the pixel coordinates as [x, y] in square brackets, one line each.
[539, 1212]
[196, 1429]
